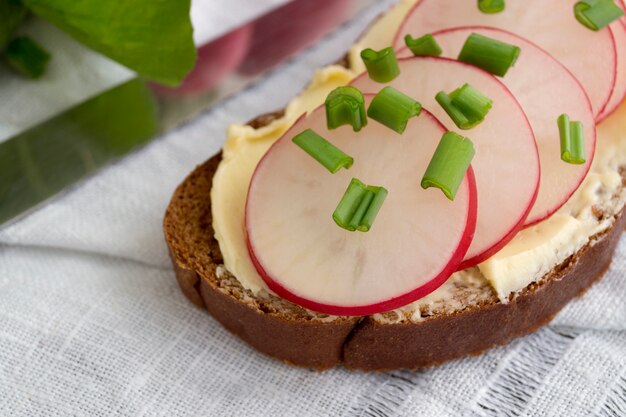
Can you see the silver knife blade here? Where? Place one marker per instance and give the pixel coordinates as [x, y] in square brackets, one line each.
[42, 161]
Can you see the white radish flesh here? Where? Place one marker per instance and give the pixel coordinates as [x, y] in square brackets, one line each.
[506, 164]
[589, 55]
[417, 240]
[545, 89]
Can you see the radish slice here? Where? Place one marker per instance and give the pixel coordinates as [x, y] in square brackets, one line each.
[619, 91]
[589, 55]
[417, 240]
[506, 162]
[545, 89]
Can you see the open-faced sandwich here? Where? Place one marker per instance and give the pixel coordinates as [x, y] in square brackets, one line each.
[449, 187]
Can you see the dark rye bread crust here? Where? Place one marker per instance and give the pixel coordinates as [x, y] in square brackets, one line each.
[300, 337]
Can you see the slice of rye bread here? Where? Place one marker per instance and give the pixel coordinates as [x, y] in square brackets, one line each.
[301, 337]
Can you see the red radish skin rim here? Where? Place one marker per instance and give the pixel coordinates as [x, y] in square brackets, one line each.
[398, 36]
[601, 115]
[466, 264]
[622, 4]
[623, 22]
[392, 303]
[519, 225]
[609, 111]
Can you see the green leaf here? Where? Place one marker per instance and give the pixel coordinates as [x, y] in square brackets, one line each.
[12, 13]
[27, 57]
[151, 37]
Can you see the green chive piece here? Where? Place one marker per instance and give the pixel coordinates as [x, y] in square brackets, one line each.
[27, 57]
[489, 54]
[380, 193]
[359, 206]
[491, 6]
[471, 102]
[345, 106]
[349, 204]
[449, 164]
[323, 151]
[466, 106]
[572, 137]
[393, 109]
[455, 114]
[382, 66]
[358, 215]
[424, 46]
[597, 14]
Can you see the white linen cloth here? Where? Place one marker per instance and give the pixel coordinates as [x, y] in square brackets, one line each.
[92, 322]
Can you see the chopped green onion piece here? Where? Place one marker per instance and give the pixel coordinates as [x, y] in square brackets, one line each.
[345, 106]
[466, 106]
[491, 6]
[380, 193]
[382, 66]
[393, 109]
[471, 102]
[27, 57]
[449, 164]
[489, 54]
[572, 140]
[597, 14]
[357, 218]
[323, 151]
[349, 204]
[359, 206]
[455, 114]
[424, 46]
